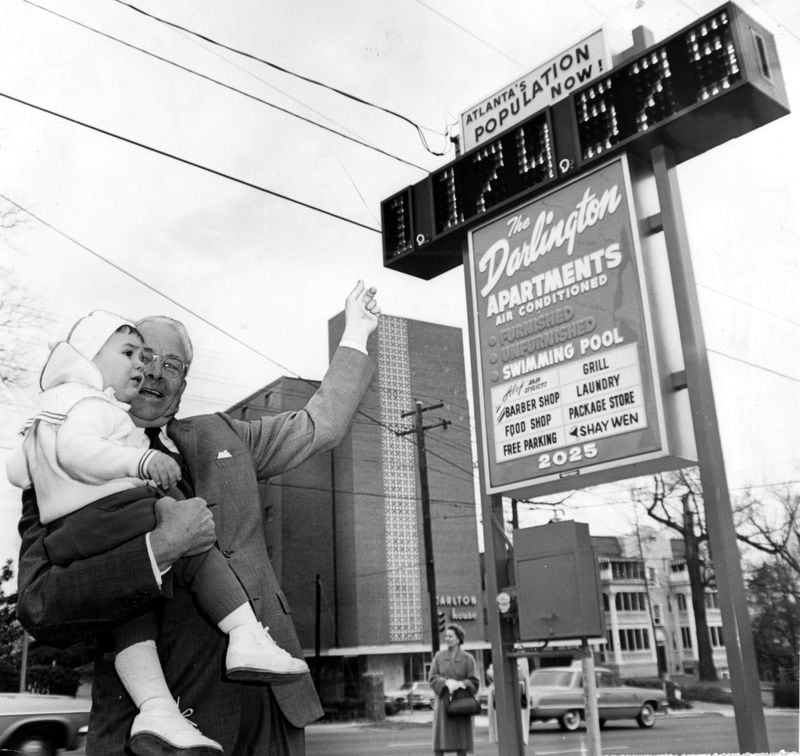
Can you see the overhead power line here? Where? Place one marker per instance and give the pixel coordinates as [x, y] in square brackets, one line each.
[754, 365]
[152, 288]
[289, 72]
[191, 163]
[748, 304]
[226, 86]
[470, 33]
[205, 320]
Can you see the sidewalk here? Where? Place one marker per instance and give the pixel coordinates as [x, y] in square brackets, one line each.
[424, 718]
[700, 708]
[703, 708]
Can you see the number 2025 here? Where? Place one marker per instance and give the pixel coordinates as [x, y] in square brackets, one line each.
[563, 456]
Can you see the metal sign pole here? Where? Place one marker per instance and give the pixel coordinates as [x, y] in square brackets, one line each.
[496, 566]
[506, 687]
[745, 686]
[591, 711]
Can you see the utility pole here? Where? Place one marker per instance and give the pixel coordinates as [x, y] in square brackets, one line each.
[23, 672]
[317, 626]
[422, 463]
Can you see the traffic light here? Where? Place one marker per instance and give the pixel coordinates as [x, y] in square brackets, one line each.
[442, 621]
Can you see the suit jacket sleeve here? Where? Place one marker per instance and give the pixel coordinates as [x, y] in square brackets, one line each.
[63, 605]
[283, 441]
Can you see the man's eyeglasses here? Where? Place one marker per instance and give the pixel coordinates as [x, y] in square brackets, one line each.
[171, 366]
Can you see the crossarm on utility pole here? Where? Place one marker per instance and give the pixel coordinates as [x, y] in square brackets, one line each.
[422, 463]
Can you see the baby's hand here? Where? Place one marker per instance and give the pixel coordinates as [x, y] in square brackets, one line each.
[163, 470]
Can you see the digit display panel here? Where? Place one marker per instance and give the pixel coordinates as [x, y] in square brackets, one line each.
[712, 81]
[696, 65]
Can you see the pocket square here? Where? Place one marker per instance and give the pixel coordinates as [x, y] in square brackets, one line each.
[224, 454]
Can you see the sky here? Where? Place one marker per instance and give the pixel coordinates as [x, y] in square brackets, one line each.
[93, 221]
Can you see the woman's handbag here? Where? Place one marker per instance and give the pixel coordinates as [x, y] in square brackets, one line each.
[462, 703]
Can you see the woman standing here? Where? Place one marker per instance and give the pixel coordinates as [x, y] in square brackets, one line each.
[452, 669]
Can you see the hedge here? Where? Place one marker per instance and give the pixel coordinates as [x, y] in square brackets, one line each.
[41, 679]
[785, 694]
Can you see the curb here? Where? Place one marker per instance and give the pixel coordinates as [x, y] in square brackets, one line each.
[481, 721]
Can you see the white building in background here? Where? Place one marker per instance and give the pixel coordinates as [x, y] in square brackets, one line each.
[650, 625]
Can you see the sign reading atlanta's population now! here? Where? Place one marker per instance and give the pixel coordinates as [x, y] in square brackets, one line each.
[546, 84]
[565, 369]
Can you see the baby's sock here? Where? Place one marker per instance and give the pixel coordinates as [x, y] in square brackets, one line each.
[241, 616]
[139, 669]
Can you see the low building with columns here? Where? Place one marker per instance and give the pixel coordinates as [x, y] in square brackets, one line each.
[650, 625]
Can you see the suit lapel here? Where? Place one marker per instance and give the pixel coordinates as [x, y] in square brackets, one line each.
[185, 439]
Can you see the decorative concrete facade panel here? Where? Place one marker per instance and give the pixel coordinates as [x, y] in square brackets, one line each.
[400, 485]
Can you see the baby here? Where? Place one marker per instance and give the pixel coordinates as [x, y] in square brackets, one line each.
[94, 477]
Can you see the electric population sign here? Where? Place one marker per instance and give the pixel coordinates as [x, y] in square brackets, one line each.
[569, 376]
[714, 80]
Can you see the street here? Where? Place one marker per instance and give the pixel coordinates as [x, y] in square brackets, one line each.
[696, 734]
[674, 734]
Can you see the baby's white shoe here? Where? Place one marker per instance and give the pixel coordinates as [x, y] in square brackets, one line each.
[253, 656]
[165, 731]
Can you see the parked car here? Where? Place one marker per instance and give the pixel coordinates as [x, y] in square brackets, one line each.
[38, 725]
[411, 695]
[390, 706]
[557, 693]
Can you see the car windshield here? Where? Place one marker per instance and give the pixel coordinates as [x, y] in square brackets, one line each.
[561, 677]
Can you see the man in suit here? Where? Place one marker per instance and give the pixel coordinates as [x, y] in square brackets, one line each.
[224, 459]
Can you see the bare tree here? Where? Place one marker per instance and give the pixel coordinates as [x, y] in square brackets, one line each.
[675, 502]
[21, 325]
[770, 523]
[774, 599]
[22, 317]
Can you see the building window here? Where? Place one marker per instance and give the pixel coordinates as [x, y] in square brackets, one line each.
[681, 599]
[414, 668]
[651, 574]
[712, 600]
[630, 602]
[716, 636]
[686, 637]
[634, 639]
[678, 567]
[657, 613]
[610, 636]
[627, 570]
[606, 606]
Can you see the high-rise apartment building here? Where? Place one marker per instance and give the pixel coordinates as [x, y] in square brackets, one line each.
[345, 529]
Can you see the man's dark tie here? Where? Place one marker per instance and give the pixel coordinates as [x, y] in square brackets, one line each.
[184, 485]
